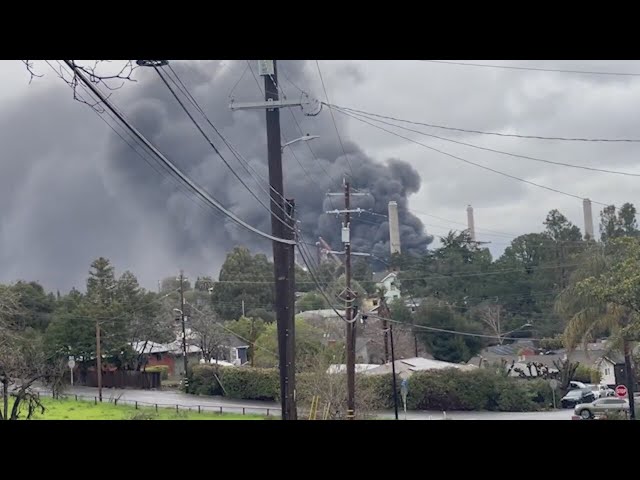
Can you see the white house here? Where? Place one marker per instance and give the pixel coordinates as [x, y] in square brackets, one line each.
[607, 368]
[388, 281]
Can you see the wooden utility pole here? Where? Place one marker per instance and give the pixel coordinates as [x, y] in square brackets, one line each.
[98, 360]
[349, 295]
[181, 279]
[282, 226]
[252, 338]
[393, 373]
[290, 330]
[351, 325]
[385, 330]
[385, 314]
[630, 379]
[281, 252]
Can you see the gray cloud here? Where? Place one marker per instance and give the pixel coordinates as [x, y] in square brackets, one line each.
[75, 190]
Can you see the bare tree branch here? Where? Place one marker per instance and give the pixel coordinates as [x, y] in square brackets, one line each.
[110, 81]
[32, 74]
[490, 315]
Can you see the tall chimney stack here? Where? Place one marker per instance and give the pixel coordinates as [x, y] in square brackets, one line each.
[394, 228]
[588, 219]
[470, 224]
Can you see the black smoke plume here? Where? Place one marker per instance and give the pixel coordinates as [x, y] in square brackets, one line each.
[82, 192]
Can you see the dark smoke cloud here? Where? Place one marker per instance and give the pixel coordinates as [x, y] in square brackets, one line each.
[78, 191]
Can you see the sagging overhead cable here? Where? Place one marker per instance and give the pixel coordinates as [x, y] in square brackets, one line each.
[203, 194]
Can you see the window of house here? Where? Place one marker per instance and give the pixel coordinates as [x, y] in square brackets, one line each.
[158, 356]
[607, 371]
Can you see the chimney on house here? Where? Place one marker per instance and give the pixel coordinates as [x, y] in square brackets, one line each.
[470, 223]
[588, 219]
[394, 228]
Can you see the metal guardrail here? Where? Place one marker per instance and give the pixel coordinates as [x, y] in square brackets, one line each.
[219, 409]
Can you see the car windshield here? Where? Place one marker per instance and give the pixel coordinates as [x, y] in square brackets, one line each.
[574, 394]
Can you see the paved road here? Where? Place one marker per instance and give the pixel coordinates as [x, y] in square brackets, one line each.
[173, 398]
[553, 415]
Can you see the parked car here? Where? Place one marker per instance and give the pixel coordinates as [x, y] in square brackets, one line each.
[576, 397]
[573, 385]
[601, 391]
[602, 406]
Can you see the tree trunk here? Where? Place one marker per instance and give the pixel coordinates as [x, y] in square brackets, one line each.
[630, 380]
[5, 399]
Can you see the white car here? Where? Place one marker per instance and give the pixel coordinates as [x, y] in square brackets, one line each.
[573, 385]
[601, 391]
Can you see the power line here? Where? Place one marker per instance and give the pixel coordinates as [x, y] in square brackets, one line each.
[426, 277]
[484, 167]
[203, 194]
[221, 325]
[243, 162]
[418, 212]
[322, 292]
[501, 152]
[480, 132]
[453, 332]
[335, 125]
[215, 149]
[537, 69]
[144, 155]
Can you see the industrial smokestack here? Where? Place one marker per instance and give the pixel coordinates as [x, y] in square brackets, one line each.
[394, 228]
[470, 224]
[588, 219]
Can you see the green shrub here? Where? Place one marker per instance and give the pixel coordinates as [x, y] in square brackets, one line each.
[378, 390]
[515, 398]
[481, 389]
[202, 380]
[163, 369]
[444, 390]
[251, 383]
[241, 383]
[540, 393]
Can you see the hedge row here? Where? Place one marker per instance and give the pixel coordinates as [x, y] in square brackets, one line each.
[241, 383]
[449, 389]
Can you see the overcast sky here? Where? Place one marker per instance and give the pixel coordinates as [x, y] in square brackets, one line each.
[63, 205]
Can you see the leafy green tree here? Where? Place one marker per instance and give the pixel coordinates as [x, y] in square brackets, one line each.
[618, 224]
[203, 284]
[449, 347]
[308, 345]
[243, 277]
[312, 301]
[101, 281]
[362, 273]
[605, 294]
[35, 305]
[400, 312]
[172, 284]
[262, 314]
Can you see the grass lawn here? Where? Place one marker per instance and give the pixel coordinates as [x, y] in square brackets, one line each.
[68, 409]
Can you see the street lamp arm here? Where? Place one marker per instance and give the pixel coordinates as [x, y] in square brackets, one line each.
[305, 138]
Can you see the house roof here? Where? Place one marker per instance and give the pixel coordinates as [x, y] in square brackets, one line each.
[342, 368]
[326, 313]
[150, 347]
[408, 366]
[379, 277]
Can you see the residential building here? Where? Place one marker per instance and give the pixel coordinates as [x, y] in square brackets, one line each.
[388, 281]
